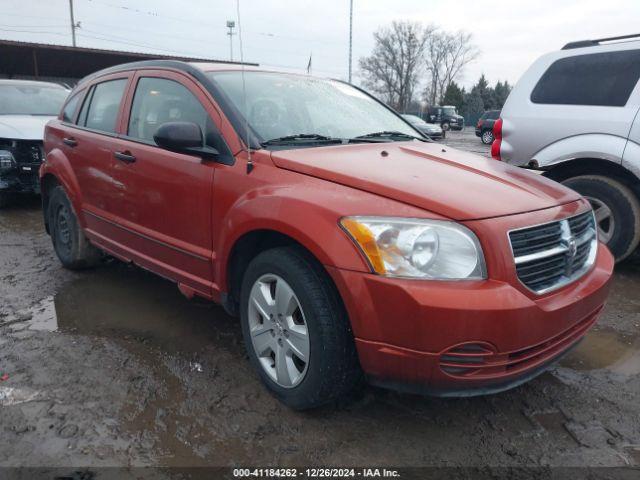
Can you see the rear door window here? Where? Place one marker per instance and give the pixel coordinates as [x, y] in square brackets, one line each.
[603, 79]
[100, 111]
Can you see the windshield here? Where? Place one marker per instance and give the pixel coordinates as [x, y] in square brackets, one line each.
[279, 105]
[450, 111]
[31, 99]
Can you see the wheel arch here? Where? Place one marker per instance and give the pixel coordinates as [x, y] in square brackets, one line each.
[593, 166]
[244, 249]
[47, 183]
[57, 169]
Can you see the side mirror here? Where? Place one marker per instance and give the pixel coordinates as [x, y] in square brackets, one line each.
[183, 137]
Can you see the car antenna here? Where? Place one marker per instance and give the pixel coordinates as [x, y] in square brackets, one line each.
[244, 92]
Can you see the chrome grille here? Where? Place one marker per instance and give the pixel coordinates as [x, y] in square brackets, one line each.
[554, 254]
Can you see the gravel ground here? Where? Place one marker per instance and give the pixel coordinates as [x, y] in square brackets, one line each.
[113, 367]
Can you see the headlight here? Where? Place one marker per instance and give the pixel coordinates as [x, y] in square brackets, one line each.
[415, 248]
[7, 162]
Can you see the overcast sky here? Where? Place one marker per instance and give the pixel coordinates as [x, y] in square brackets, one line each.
[510, 34]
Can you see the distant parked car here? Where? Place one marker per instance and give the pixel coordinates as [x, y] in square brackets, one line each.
[484, 127]
[428, 129]
[25, 108]
[574, 115]
[446, 116]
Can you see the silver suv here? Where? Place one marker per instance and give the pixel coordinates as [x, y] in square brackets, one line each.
[574, 116]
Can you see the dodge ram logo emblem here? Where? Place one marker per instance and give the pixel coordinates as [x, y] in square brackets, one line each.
[572, 247]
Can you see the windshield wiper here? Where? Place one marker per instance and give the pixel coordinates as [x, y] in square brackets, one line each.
[390, 134]
[301, 138]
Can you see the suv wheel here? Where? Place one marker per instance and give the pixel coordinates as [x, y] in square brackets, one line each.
[616, 209]
[487, 137]
[296, 329]
[446, 126]
[72, 247]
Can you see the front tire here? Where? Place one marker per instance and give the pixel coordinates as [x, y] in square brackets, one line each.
[617, 212]
[69, 242]
[487, 137]
[445, 126]
[296, 329]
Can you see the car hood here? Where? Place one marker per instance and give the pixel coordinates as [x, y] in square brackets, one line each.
[23, 127]
[445, 181]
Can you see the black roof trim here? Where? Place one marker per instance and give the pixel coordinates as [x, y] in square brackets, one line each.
[594, 43]
[124, 67]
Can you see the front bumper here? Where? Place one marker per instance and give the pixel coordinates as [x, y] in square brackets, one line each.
[466, 338]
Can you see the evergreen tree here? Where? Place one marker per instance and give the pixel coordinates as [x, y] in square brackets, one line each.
[485, 92]
[473, 106]
[453, 95]
[500, 93]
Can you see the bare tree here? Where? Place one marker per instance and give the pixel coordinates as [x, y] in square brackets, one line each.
[446, 56]
[393, 67]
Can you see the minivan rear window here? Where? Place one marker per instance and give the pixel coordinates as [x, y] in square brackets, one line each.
[603, 79]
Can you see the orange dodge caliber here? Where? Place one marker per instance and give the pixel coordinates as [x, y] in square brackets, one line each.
[348, 244]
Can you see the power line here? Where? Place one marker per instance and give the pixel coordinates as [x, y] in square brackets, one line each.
[31, 31]
[140, 45]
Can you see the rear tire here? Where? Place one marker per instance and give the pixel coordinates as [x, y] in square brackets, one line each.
[69, 242]
[330, 369]
[617, 212]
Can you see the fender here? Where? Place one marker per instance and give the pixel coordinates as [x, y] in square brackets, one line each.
[631, 158]
[283, 209]
[58, 165]
[592, 145]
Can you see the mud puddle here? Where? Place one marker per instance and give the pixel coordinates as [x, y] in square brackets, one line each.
[605, 348]
[126, 302]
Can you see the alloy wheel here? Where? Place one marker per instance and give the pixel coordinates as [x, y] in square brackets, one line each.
[278, 329]
[487, 137]
[605, 220]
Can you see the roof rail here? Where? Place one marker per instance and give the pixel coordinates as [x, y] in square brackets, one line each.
[593, 43]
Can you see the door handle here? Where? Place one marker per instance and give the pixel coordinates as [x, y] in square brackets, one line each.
[125, 156]
[70, 141]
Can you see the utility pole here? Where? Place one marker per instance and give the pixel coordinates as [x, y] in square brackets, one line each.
[350, 36]
[73, 24]
[231, 25]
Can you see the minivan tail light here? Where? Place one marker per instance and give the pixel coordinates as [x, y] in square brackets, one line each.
[497, 142]
[480, 122]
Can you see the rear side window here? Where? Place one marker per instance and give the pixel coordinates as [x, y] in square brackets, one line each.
[100, 110]
[604, 79]
[70, 108]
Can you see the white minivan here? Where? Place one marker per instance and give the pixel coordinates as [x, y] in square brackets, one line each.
[574, 116]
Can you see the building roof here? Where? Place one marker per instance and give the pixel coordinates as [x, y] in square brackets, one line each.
[19, 59]
[30, 83]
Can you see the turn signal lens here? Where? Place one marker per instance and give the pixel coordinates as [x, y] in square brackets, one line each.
[366, 240]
